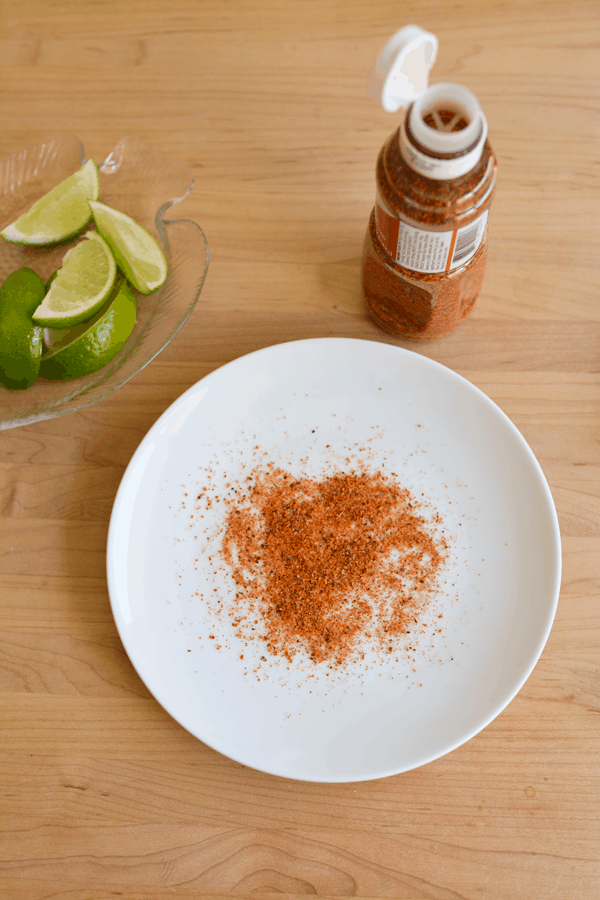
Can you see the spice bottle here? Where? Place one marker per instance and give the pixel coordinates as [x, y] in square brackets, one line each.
[425, 248]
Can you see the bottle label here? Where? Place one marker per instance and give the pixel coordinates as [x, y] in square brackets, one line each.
[427, 251]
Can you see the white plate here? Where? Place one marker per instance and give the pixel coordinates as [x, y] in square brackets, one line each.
[447, 441]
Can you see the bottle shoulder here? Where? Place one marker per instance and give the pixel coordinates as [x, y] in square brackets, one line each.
[449, 203]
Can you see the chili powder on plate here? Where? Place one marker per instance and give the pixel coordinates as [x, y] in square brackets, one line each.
[325, 562]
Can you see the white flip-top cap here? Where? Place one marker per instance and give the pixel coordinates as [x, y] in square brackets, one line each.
[444, 119]
[401, 72]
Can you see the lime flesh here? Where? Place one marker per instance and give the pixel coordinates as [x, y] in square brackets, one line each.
[81, 285]
[87, 348]
[61, 213]
[137, 252]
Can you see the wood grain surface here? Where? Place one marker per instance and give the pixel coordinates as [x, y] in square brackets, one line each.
[103, 794]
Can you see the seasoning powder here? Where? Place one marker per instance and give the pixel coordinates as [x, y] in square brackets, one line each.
[325, 563]
[425, 248]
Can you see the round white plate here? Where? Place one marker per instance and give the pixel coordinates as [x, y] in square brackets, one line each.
[307, 406]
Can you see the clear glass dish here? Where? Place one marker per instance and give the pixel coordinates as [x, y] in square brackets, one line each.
[140, 181]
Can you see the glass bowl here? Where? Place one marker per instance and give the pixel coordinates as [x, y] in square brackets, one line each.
[140, 181]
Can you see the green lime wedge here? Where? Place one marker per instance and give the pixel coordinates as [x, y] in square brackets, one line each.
[61, 213]
[20, 339]
[137, 252]
[87, 348]
[81, 285]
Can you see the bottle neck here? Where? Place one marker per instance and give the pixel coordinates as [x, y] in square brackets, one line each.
[443, 133]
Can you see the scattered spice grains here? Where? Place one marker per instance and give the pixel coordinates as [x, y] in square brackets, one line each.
[324, 564]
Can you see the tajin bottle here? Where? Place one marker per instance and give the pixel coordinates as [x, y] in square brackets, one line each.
[425, 248]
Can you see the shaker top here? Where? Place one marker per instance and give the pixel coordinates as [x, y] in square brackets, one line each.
[401, 71]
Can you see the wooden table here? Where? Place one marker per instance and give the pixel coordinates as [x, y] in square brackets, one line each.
[104, 795]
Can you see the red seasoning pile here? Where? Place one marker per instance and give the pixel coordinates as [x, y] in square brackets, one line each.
[322, 564]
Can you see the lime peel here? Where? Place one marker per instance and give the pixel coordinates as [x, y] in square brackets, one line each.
[20, 339]
[87, 348]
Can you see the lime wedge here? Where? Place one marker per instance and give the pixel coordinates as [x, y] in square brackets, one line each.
[81, 286]
[20, 339]
[87, 348]
[138, 253]
[61, 213]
